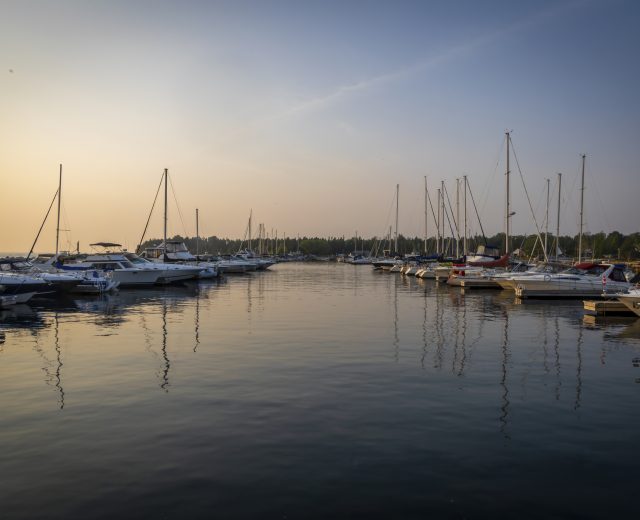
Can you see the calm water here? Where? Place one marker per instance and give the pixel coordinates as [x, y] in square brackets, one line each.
[317, 391]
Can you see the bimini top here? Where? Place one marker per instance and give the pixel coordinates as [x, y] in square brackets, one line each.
[105, 244]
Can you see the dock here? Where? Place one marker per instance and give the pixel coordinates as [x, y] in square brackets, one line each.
[479, 283]
[606, 307]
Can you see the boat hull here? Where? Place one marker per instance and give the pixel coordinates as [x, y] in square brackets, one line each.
[631, 302]
[566, 288]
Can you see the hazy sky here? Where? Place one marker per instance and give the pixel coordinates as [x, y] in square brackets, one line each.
[310, 112]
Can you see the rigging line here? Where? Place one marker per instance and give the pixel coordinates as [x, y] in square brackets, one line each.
[42, 225]
[569, 196]
[533, 215]
[150, 213]
[598, 198]
[476, 210]
[67, 226]
[393, 200]
[431, 206]
[178, 206]
[446, 213]
[451, 210]
[487, 191]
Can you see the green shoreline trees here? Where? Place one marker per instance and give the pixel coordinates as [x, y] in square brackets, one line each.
[597, 245]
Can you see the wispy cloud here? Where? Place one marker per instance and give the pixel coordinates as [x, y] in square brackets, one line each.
[447, 55]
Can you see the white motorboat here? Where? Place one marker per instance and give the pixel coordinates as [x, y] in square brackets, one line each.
[585, 280]
[262, 263]
[170, 272]
[508, 280]
[385, 263]
[116, 263]
[58, 282]
[631, 299]
[464, 272]
[426, 272]
[14, 284]
[89, 281]
[175, 255]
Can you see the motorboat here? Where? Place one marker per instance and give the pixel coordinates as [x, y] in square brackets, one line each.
[176, 254]
[23, 286]
[122, 270]
[509, 279]
[583, 280]
[58, 282]
[462, 273]
[170, 272]
[262, 263]
[386, 263]
[426, 272]
[89, 281]
[631, 299]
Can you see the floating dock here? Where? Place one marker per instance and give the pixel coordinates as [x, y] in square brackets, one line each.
[606, 307]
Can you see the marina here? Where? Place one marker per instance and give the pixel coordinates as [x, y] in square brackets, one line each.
[319, 260]
[311, 389]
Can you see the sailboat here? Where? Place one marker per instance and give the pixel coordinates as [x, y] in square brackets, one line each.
[583, 280]
[49, 267]
[487, 255]
[170, 256]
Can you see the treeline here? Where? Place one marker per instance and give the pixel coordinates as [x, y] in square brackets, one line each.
[597, 245]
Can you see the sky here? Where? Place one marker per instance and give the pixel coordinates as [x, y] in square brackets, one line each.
[309, 113]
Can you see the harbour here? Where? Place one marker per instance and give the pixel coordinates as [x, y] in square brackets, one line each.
[313, 390]
[323, 260]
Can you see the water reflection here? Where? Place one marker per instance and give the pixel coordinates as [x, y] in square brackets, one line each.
[578, 369]
[556, 350]
[504, 408]
[442, 327]
[196, 327]
[51, 368]
[396, 338]
[167, 364]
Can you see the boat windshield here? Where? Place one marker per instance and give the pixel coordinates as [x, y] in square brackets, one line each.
[135, 259]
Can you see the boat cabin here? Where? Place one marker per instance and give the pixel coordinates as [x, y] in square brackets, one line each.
[173, 251]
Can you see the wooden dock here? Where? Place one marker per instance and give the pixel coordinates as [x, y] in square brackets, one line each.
[606, 307]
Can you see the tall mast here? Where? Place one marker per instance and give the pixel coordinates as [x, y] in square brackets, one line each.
[508, 210]
[59, 199]
[546, 220]
[438, 250]
[464, 245]
[250, 215]
[397, 203]
[197, 235]
[458, 217]
[442, 207]
[558, 222]
[166, 180]
[426, 198]
[581, 210]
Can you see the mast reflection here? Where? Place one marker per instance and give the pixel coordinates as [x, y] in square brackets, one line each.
[504, 408]
[396, 339]
[556, 349]
[425, 346]
[58, 383]
[167, 365]
[197, 322]
[578, 369]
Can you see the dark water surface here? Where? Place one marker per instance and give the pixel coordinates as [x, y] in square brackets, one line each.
[317, 391]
